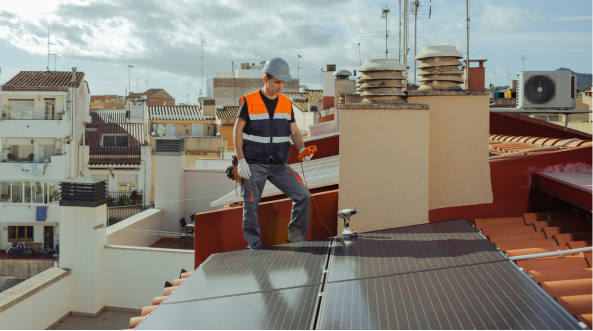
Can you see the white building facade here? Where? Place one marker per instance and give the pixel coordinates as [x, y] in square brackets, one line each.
[41, 124]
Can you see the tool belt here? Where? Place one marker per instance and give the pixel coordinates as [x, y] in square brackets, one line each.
[232, 172]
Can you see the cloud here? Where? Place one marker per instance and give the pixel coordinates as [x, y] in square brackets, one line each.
[573, 18]
[502, 17]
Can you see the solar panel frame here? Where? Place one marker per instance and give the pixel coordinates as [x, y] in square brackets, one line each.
[318, 173]
[261, 310]
[256, 270]
[492, 295]
[410, 249]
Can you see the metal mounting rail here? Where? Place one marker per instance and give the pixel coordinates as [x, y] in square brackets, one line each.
[558, 253]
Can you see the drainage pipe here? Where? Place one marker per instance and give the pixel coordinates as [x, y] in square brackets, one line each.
[558, 253]
[539, 149]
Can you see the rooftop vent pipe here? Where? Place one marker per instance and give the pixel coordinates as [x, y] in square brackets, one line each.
[382, 81]
[440, 68]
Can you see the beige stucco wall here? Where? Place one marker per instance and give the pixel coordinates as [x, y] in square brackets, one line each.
[459, 172]
[228, 91]
[384, 167]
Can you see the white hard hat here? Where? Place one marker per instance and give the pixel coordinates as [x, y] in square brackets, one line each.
[278, 68]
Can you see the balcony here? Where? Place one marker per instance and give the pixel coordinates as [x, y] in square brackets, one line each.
[115, 155]
[57, 168]
[34, 128]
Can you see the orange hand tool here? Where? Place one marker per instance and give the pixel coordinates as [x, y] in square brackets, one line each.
[308, 151]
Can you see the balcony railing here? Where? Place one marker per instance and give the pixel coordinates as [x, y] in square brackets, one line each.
[118, 214]
[124, 198]
[114, 155]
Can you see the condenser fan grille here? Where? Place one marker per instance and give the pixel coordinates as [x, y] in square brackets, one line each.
[539, 89]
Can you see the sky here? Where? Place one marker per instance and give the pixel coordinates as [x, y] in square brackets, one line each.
[162, 40]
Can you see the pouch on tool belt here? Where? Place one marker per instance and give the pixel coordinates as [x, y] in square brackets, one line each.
[232, 172]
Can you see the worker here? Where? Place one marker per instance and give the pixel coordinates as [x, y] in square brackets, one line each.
[263, 128]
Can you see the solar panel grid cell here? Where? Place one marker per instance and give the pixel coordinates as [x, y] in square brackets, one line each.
[254, 270]
[485, 296]
[408, 249]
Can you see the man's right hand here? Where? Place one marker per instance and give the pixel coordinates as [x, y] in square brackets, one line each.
[243, 169]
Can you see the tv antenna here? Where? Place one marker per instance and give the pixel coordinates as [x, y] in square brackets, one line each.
[48, 52]
[384, 14]
[202, 57]
[416, 9]
[359, 58]
[523, 58]
[147, 79]
[298, 67]
[55, 55]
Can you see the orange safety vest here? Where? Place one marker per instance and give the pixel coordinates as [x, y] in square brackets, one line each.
[266, 140]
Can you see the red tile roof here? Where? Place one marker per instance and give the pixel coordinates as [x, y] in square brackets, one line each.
[568, 278]
[53, 80]
[502, 145]
[114, 155]
[228, 112]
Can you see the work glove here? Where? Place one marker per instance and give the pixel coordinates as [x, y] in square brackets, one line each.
[305, 158]
[243, 169]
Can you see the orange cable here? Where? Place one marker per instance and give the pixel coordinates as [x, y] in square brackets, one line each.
[317, 207]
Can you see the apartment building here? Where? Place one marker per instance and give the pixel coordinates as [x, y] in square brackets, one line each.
[41, 125]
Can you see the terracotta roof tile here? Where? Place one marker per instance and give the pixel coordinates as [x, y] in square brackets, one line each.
[55, 80]
[517, 237]
[539, 225]
[564, 288]
[546, 216]
[577, 304]
[504, 230]
[549, 275]
[187, 113]
[147, 310]
[498, 222]
[158, 300]
[552, 230]
[510, 245]
[227, 113]
[178, 282]
[134, 321]
[169, 290]
[186, 274]
[579, 244]
[562, 239]
[553, 263]
[588, 258]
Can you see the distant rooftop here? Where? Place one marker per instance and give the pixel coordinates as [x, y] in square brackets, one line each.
[54, 80]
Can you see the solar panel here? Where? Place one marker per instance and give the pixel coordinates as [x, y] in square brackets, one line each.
[273, 310]
[318, 173]
[486, 296]
[256, 270]
[409, 249]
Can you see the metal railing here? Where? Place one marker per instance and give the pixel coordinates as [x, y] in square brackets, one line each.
[118, 214]
[125, 198]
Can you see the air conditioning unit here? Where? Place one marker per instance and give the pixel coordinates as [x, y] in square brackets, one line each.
[314, 108]
[546, 90]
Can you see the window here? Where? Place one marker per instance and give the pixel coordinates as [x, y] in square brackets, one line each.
[37, 191]
[20, 233]
[17, 192]
[22, 109]
[115, 141]
[53, 192]
[50, 107]
[27, 192]
[5, 192]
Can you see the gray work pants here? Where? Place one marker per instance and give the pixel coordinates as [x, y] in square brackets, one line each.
[282, 176]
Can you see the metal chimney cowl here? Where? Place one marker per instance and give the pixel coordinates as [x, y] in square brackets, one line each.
[169, 146]
[382, 81]
[440, 68]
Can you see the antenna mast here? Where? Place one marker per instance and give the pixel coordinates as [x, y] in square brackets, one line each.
[405, 13]
[467, 65]
[384, 14]
[202, 57]
[48, 53]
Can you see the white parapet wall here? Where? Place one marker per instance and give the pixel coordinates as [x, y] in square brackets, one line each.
[136, 230]
[135, 275]
[37, 303]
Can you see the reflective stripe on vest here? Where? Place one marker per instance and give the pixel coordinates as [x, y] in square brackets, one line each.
[280, 139]
[257, 139]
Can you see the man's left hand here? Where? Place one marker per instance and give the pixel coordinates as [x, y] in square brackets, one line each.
[306, 158]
